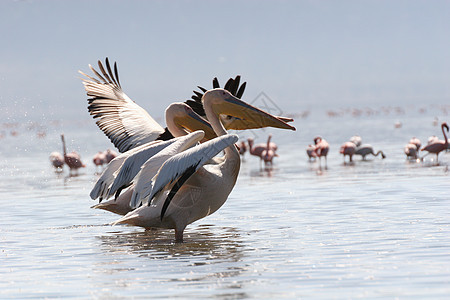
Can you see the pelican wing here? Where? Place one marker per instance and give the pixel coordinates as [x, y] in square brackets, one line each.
[151, 166]
[133, 163]
[125, 123]
[103, 184]
[181, 166]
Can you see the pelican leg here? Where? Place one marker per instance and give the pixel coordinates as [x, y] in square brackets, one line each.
[179, 235]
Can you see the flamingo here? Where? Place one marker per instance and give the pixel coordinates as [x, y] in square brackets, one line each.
[322, 148]
[436, 146]
[356, 139]
[110, 155]
[99, 159]
[348, 148]
[268, 154]
[415, 141]
[367, 149]
[411, 151]
[310, 151]
[257, 149]
[72, 159]
[191, 184]
[242, 148]
[57, 160]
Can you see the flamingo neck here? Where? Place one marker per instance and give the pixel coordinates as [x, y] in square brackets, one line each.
[268, 142]
[64, 145]
[445, 136]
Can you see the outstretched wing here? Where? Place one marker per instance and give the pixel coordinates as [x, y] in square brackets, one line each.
[143, 180]
[103, 185]
[133, 163]
[125, 123]
[181, 166]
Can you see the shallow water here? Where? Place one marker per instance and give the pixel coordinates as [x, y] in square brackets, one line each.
[371, 229]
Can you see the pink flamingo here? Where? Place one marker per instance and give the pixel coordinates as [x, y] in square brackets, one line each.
[437, 146]
[415, 141]
[242, 148]
[263, 150]
[72, 159]
[310, 151]
[411, 151]
[348, 148]
[57, 160]
[99, 159]
[110, 155]
[322, 148]
[268, 154]
[259, 148]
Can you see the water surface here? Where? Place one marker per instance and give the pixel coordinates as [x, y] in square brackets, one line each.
[372, 229]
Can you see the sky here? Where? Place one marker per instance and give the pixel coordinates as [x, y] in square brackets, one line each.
[301, 54]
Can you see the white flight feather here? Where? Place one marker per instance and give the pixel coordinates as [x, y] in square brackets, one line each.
[127, 124]
[151, 166]
[197, 156]
[132, 164]
[101, 187]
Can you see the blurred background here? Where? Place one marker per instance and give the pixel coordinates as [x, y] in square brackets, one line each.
[304, 55]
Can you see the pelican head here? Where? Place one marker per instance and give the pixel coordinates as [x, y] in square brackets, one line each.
[180, 116]
[223, 102]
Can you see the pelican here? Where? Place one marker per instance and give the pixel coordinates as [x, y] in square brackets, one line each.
[128, 125]
[191, 185]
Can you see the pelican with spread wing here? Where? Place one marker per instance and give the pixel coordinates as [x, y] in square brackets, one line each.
[129, 126]
[191, 184]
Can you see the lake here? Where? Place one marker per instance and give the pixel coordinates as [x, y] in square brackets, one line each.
[371, 229]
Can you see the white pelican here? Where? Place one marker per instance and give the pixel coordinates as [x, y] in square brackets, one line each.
[127, 125]
[190, 185]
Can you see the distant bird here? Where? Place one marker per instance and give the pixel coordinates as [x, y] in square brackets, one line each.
[242, 148]
[257, 149]
[367, 149]
[436, 146]
[356, 139]
[415, 141]
[432, 139]
[411, 151]
[348, 148]
[322, 148]
[72, 159]
[268, 154]
[57, 160]
[99, 159]
[110, 155]
[310, 151]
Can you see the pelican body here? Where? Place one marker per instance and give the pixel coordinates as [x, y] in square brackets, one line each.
[181, 195]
